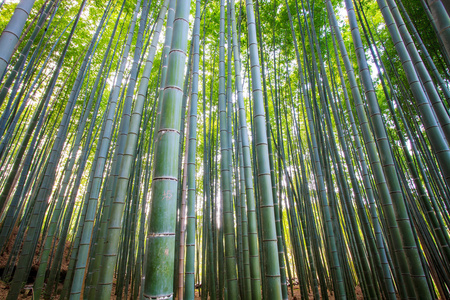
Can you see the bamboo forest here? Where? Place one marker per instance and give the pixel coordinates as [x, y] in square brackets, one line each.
[224, 149]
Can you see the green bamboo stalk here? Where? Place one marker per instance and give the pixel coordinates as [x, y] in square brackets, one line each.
[365, 276]
[429, 87]
[442, 21]
[57, 211]
[341, 293]
[83, 251]
[426, 54]
[413, 264]
[159, 272]
[225, 163]
[189, 292]
[114, 227]
[431, 210]
[19, 65]
[271, 163]
[38, 212]
[368, 187]
[164, 59]
[270, 247]
[10, 36]
[251, 207]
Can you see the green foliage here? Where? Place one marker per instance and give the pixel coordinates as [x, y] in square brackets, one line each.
[315, 202]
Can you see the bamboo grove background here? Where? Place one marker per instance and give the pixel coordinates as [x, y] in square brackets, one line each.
[149, 148]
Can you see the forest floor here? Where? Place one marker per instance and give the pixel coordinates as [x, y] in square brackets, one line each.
[27, 292]
[297, 295]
